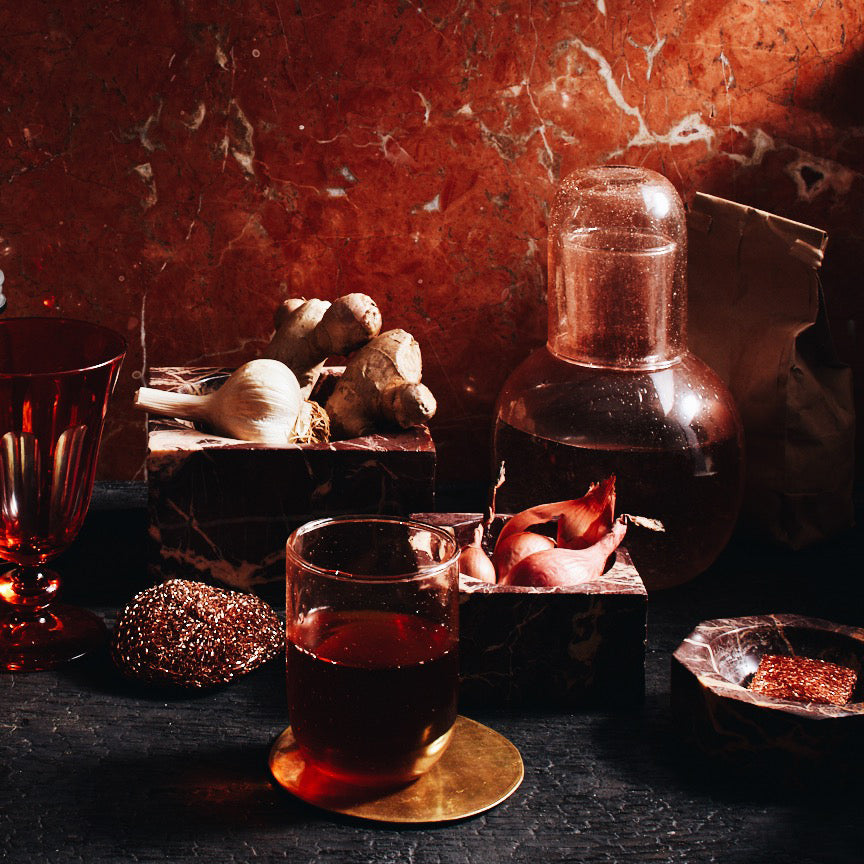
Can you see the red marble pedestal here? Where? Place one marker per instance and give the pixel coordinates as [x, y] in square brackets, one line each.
[221, 510]
[550, 647]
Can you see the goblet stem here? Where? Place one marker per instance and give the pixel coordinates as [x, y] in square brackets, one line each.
[29, 588]
[36, 632]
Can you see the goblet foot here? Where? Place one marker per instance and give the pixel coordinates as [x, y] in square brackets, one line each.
[42, 639]
[35, 631]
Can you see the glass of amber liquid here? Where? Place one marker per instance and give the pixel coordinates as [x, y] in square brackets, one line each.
[372, 647]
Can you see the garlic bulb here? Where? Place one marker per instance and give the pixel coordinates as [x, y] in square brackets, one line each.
[259, 402]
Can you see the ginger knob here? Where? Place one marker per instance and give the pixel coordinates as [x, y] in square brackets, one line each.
[310, 331]
[381, 384]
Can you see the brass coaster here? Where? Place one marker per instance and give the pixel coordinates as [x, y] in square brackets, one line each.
[478, 770]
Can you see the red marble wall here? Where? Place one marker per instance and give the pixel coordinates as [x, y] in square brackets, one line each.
[174, 169]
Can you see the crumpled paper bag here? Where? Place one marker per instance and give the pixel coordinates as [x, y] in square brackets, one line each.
[757, 317]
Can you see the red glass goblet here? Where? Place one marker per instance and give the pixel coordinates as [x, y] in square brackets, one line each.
[56, 376]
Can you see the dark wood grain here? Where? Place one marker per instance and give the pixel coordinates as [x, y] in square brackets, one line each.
[95, 769]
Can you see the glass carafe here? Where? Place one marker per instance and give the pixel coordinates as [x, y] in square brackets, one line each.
[614, 390]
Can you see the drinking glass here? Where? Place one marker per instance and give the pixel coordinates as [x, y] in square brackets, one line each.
[56, 376]
[372, 646]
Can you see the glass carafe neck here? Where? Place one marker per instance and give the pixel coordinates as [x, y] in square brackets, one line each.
[617, 262]
[616, 298]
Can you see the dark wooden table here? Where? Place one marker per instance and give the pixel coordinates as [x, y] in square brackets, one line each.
[94, 769]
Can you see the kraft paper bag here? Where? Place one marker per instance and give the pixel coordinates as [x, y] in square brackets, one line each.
[757, 317]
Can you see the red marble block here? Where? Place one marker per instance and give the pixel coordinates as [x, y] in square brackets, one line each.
[220, 510]
[560, 648]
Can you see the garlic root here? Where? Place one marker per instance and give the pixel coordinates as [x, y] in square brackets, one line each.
[260, 402]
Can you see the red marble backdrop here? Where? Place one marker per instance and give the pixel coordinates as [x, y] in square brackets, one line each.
[174, 169]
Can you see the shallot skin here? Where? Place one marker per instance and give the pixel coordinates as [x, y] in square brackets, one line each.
[473, 560]
[588, 519]
[580, 520]
[537, 515]
[476, 564]
[514, 548]
[566, 568]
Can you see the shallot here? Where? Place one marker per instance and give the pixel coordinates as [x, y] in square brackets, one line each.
[562, 567]
[473, 560]
[516, 547]
[583, 524]
[587, 534]
[584, 519]
[588, 519]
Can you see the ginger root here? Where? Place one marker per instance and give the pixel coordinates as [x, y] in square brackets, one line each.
[310, 331]
[381, 382]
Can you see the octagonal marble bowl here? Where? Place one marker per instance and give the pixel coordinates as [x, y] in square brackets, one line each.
[714, 709]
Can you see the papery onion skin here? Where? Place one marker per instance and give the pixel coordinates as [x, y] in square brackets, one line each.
[566, 568]
[589, 518]
[592, 515]
[538, 515]
[473, 560]
[476, 564]
[516, 547]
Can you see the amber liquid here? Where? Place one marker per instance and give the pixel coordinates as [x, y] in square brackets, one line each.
[694, 492]
[372, 695]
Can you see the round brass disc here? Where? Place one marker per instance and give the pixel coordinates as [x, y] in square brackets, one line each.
[478, 770]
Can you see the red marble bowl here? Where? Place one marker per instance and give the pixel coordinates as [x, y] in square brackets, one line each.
[714, 708]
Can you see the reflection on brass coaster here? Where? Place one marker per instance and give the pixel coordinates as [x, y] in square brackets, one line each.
[479, 769]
